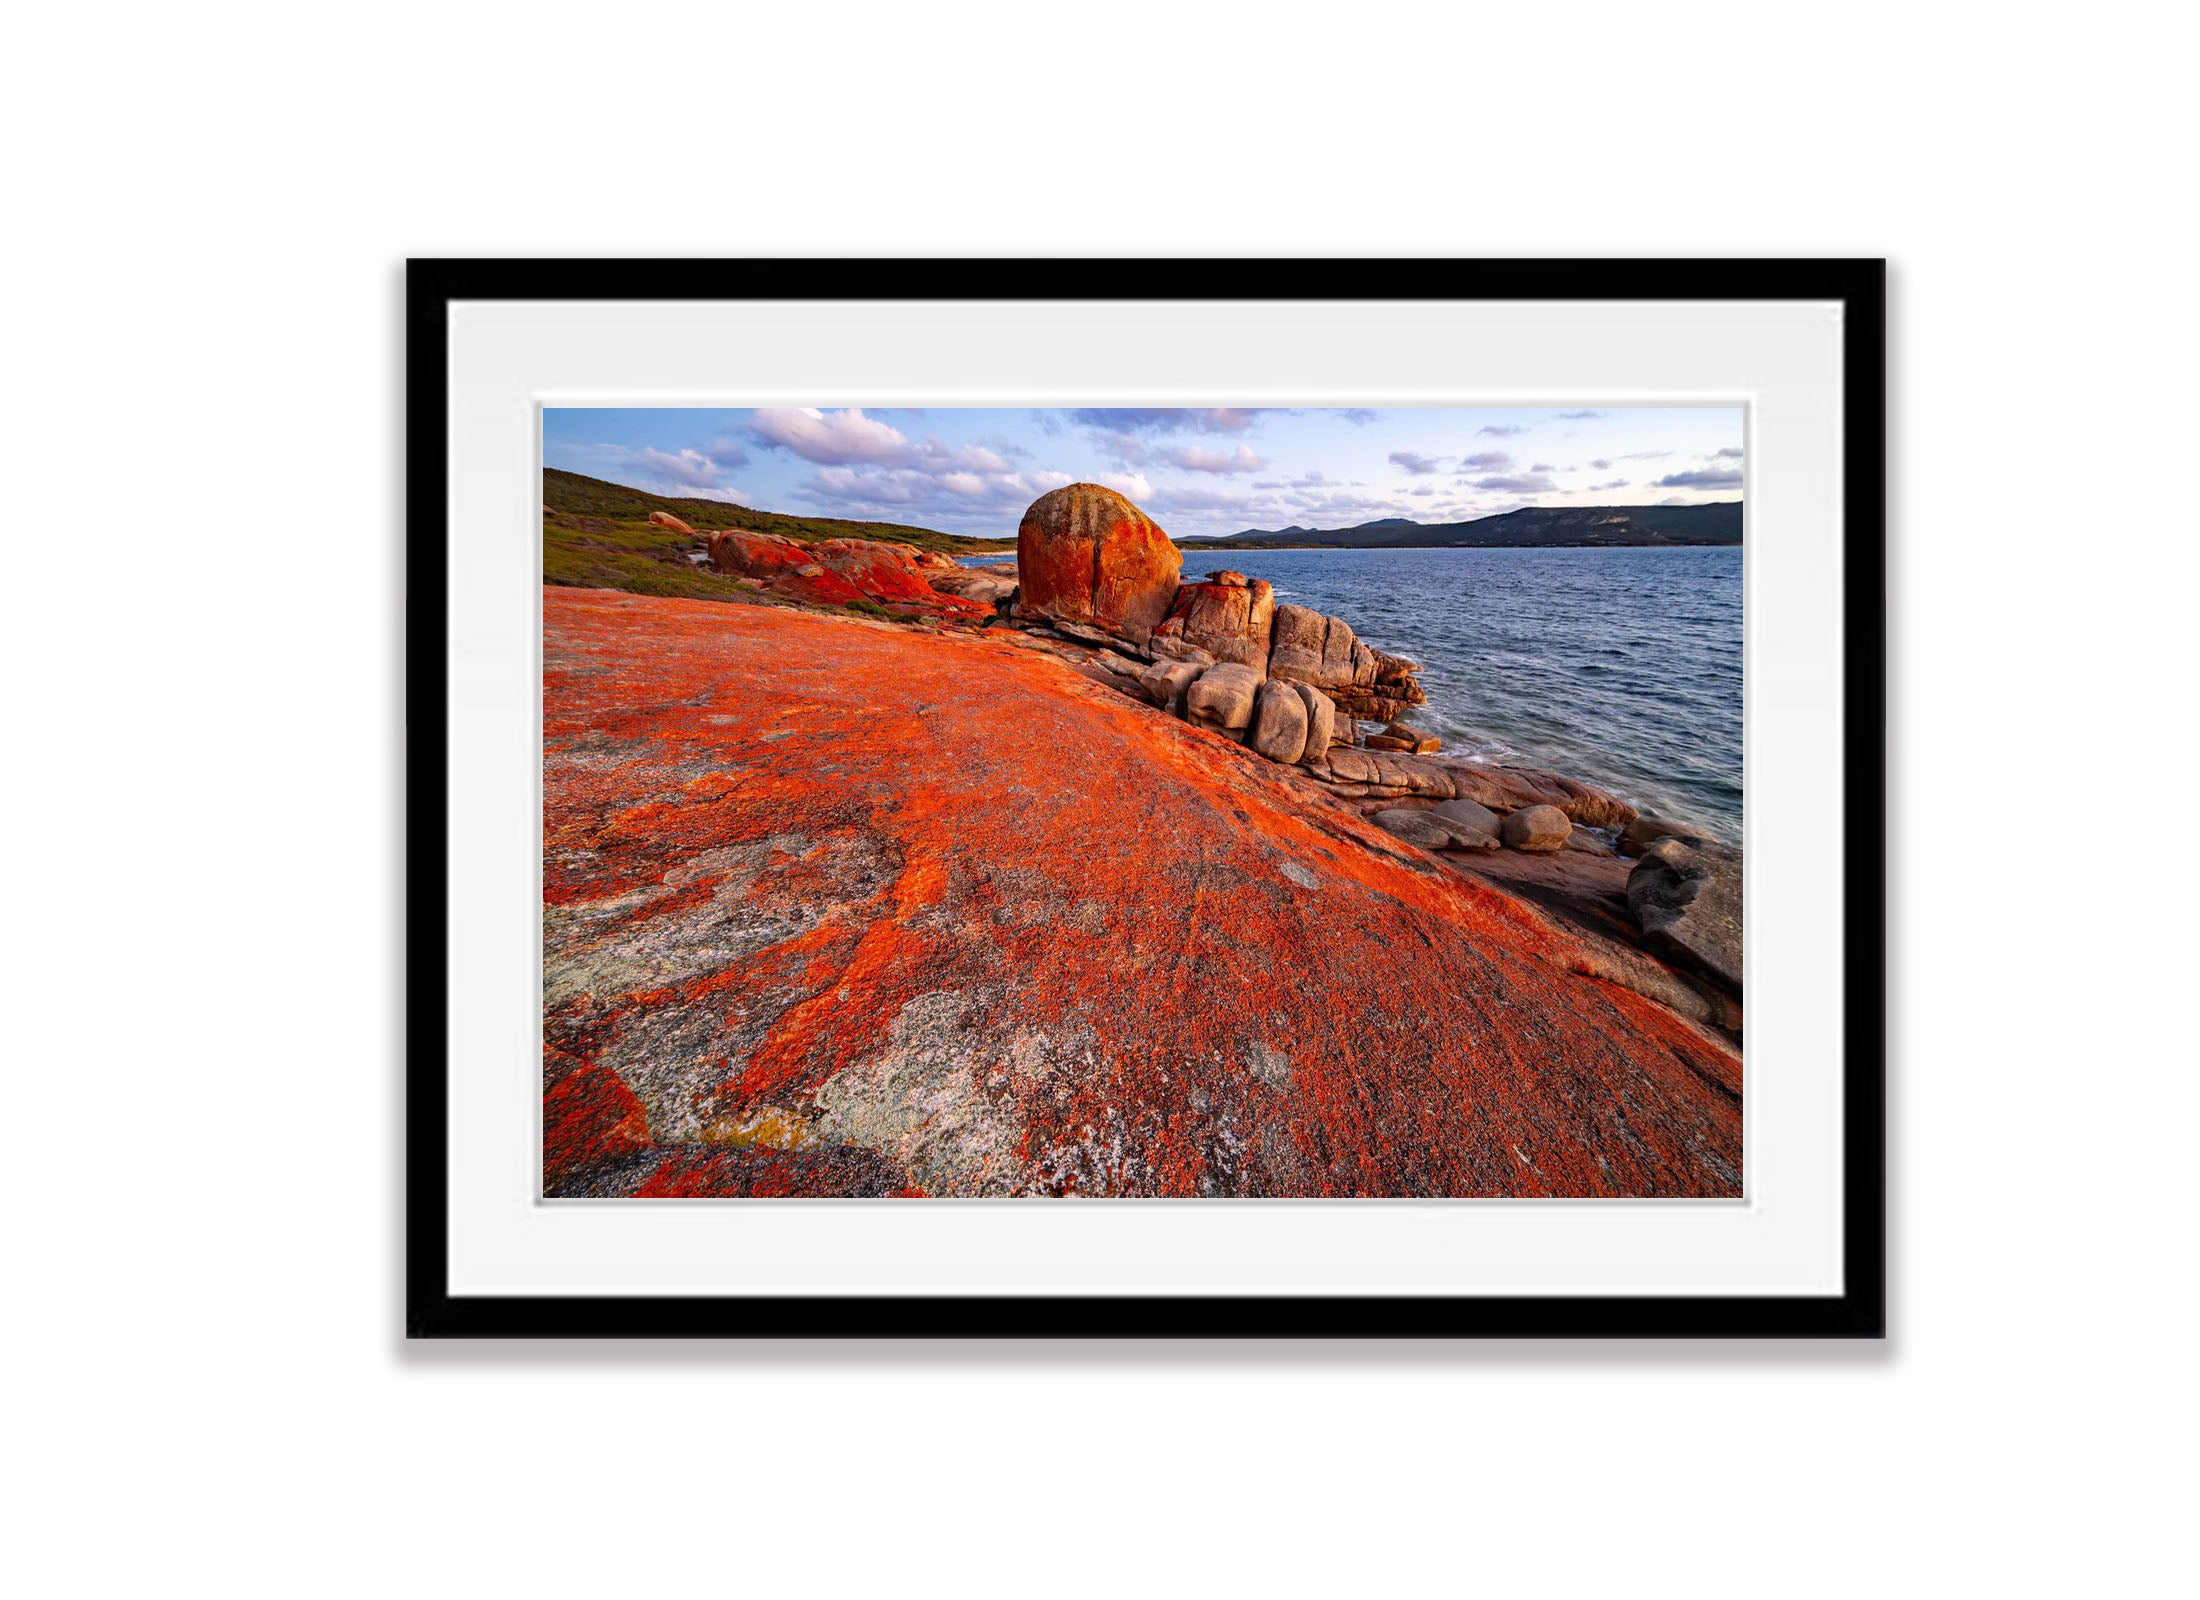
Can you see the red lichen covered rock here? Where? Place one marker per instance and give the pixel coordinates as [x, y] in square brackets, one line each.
[1086, 555]
[800, 937]
[881, 571]
[834, 571]
[756, 555]
[1230, 621]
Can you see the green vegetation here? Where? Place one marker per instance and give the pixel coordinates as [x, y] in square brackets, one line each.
[598, 535]
[589, 553]
[870, 608]
[574, 495]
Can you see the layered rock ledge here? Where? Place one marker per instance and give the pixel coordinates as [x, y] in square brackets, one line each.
[835, 907]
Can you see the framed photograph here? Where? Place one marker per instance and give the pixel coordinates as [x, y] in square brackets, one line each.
[1145, 798]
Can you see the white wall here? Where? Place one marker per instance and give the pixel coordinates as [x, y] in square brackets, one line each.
[208, 209]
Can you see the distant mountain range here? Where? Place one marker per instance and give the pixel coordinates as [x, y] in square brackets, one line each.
[1532, 526]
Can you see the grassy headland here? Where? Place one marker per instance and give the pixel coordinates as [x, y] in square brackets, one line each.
[597, 535]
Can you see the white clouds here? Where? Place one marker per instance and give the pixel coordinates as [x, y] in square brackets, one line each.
[1193, 458]
[831, 438]
[1134, 484]
[690, 467]
[1194, 468]
[1703, 478]
[1166, 419]
[682, 474]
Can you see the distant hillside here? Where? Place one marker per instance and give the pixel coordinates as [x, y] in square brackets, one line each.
[597, 535]
[593, 497]
[1530, 527]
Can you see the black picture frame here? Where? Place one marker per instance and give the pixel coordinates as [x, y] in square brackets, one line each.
[1859, 1311]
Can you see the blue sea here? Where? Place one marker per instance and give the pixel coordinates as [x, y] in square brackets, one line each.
[1623, 667]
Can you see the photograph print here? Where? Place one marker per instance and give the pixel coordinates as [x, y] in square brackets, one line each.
[1150, 803]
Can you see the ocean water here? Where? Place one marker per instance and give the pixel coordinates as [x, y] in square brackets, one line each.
[1623, 667]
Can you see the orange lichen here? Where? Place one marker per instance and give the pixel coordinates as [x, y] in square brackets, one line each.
[983, 926]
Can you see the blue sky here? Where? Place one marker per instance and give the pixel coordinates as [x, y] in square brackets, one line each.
[1197, 472]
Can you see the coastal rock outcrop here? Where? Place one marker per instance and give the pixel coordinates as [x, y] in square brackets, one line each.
[1166, 682]
[755, 555]
[1229, 621]
[1085, 555]
[1321, 721]
[1687, 895]
[1473, 826]
[782, 957]
[1221, 698]
[1307, 647]
[1278, 728]
[1536, 828]
[664, 519]
[1645, 831]
[879, 570]
[834, 571]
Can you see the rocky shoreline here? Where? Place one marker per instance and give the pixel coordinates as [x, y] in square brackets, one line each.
[1293, 685]
[1628, 903]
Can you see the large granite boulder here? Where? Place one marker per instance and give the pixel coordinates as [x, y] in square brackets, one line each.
[1307, 647]
[1645, 831]
[1221, 698]
[1537, 828]
[756, 555]
[665, 519]
[1166, 681]
[1687, 896]
[1230, 621]
[1474, 822]
[1086, 555]
[1278, 728]
[1321, 721]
